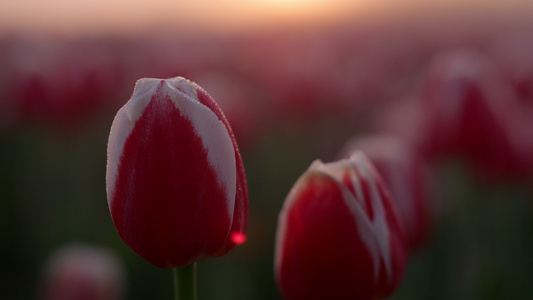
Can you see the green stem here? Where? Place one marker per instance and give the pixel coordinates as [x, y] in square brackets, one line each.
[185, 282]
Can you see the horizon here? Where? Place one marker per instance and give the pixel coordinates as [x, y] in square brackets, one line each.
[99, 16]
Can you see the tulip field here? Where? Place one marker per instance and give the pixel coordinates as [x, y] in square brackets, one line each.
[378, 160]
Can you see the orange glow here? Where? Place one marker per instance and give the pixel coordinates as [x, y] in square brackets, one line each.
[136, 16]
[129, 16]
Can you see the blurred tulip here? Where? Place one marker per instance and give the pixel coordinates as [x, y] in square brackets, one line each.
[407, 176]
[176, 186]
[83, 272]
[57, 83]
[466, 107]
[513, 54]
[338, 234]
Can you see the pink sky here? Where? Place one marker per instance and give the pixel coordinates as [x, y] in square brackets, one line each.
[126, 16]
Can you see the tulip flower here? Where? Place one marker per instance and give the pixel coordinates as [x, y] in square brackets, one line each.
[466, 113]
[83, 272]
[338, 234]
[406, 174]
[176, 186]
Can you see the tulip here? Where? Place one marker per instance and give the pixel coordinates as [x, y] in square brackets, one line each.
[406, 174]
[176, 186]
[338, 234]
[83, 272]
[466, 111]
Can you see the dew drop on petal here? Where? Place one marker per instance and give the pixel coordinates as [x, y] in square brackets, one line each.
[238, 238]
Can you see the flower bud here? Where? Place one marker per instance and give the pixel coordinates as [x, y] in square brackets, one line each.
[466, 109]
[406, 174]
[338, 234]
[176, 186]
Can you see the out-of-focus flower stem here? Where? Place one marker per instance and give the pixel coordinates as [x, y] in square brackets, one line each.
[185, 282]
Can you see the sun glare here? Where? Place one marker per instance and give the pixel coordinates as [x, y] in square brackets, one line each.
[137, 15]
[66, 16]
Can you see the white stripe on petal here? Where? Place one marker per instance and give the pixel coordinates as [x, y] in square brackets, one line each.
[365, 226]
[123, 125]
[213, 132]
[379, 227]
[374, 233]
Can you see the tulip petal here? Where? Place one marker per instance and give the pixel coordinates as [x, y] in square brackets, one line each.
[315, 237]
[366, 205]
[318, 239]
[240, 216]
[172, 171]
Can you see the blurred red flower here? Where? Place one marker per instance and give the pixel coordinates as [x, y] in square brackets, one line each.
[406, 174]
[466, 110]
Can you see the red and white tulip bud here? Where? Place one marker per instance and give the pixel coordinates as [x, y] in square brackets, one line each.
[176, 186]
[406, 174]
[338, 234]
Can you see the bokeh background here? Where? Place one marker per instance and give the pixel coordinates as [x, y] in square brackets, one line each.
[296, 79]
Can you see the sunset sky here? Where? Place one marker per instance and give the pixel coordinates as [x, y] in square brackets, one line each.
[73, 16]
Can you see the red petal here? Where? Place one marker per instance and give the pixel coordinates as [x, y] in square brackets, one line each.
[322, 255]
[240, 213]
[168, 205]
